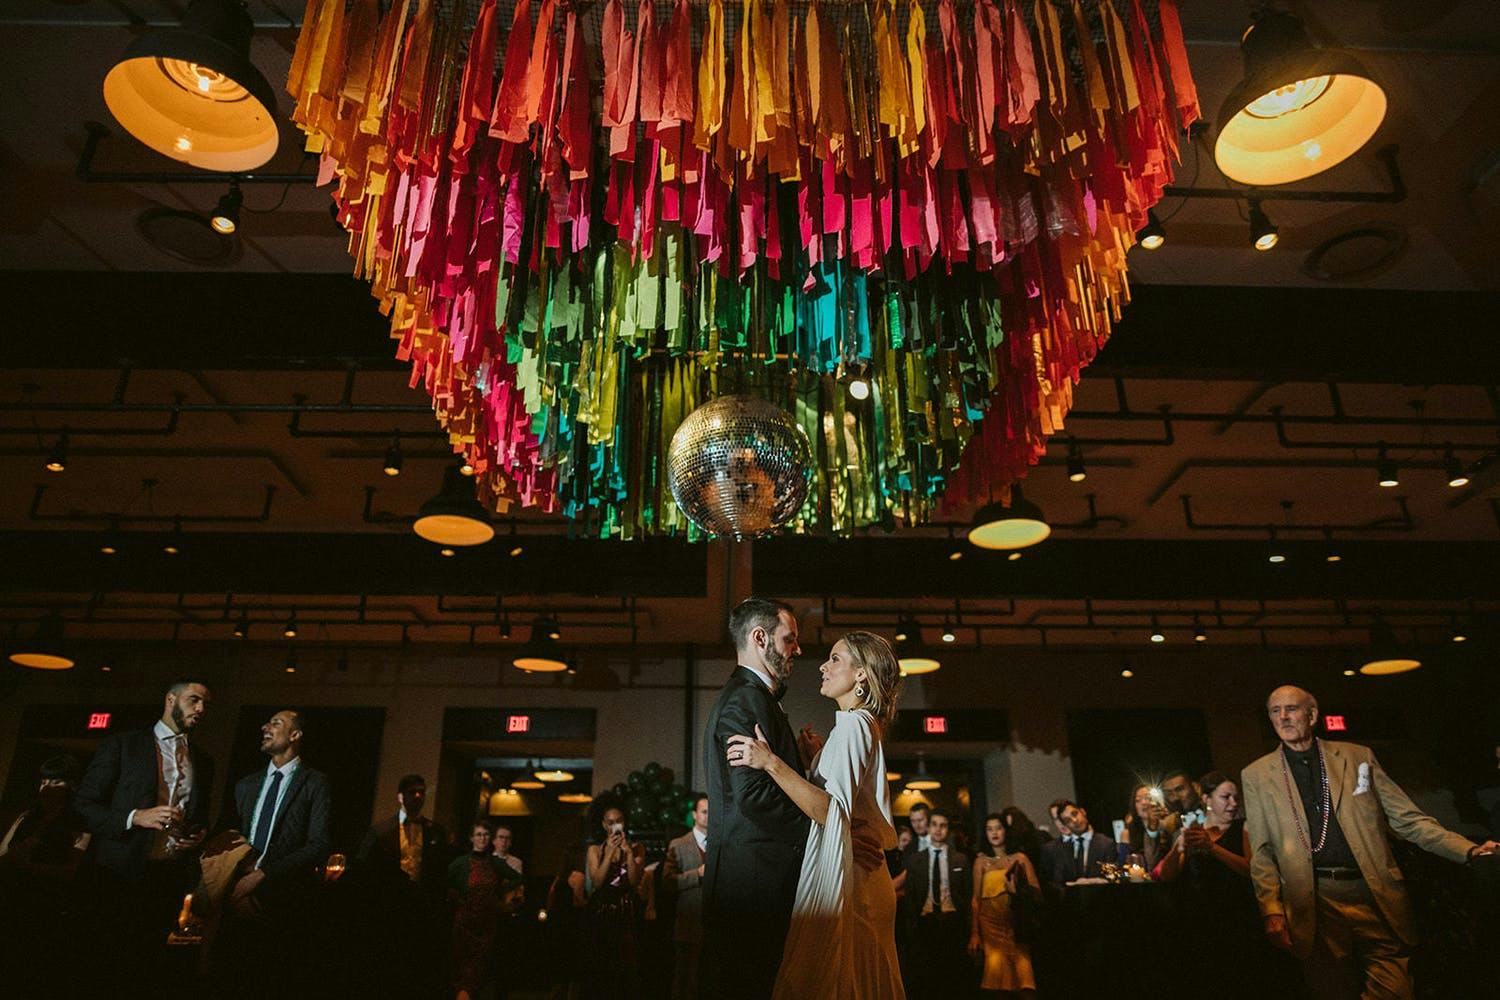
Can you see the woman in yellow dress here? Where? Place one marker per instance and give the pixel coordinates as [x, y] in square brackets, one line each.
[998, 876]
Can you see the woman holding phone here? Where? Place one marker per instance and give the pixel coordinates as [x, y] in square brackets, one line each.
[614, 869]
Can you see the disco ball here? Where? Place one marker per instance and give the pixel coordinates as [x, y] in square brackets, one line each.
[738, 466]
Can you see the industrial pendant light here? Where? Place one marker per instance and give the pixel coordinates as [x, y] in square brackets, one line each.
[922, 781]
[543, 655]
[45, 649]
[913, 656]
[1299, 109]
[1017, 526]
[192, 93]
[1387, 655]
[454, 516]
[553, 775]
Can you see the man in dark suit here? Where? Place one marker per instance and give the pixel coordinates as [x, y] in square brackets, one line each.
[756, 833]
[407, 846]
[284, 813]
[265, 941]
[688, 855]
[403, 863]
[1079, 852]
[145, 798]
[939, 893]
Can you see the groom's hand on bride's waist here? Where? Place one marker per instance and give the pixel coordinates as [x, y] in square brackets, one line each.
[868, 853]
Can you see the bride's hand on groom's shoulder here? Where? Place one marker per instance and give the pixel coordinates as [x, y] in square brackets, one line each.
[809, 743]
[750, 751]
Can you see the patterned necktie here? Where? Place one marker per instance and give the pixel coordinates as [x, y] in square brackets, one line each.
[179, 776]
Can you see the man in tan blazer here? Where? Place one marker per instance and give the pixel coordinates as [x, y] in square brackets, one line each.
[1327, 883]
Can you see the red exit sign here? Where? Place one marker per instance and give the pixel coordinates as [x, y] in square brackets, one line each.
[99, 720]
[518, 723]
[1334, 724]
[935, 724]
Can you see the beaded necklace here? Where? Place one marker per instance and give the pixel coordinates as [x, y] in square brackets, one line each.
[1325, 807]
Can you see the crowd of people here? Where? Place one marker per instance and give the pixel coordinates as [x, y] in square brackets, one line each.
[1286, 870]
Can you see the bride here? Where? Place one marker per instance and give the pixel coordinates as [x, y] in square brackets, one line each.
[842, 940]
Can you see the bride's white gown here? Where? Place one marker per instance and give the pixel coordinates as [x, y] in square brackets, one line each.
[842, 941]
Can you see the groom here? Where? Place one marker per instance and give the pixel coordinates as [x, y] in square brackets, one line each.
[756, 834]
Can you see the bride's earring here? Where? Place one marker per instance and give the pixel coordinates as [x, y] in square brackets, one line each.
[859, 690]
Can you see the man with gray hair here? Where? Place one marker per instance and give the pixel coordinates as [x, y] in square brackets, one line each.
[1326, 881]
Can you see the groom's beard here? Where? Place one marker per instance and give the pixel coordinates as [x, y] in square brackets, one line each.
[780, 665]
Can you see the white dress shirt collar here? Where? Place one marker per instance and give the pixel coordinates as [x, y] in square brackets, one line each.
[765, 678]
[701, 838]
[285, 769]
[164, 732]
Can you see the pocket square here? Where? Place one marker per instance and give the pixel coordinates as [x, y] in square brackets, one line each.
[1362, 783]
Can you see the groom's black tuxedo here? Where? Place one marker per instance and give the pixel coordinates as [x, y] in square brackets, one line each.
[756, 837]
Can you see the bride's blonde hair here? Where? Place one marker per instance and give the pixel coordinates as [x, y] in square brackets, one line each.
[882, 675]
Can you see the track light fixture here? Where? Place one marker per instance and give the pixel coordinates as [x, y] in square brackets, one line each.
[226, 217]
[1157, 635]
[1385, 470]
[173, 545]
[242, 627]
[110, 544]
[1152, 236]
[1077, 473]
[1457, 478]
[1199, 635]
[192, 93]
[290, 628]
[291, 662]
[393, 459]
[948, 633]
[466, 468]
[1263, 233]
[516, 548]
[57, 458]
[1458, 633]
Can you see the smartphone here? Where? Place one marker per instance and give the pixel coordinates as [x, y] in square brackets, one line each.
[1156, 795]
[617, 828]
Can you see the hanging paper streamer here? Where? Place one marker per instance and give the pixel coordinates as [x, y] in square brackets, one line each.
[583, 223]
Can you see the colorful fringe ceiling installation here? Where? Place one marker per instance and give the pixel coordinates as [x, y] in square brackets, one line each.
[584, 222]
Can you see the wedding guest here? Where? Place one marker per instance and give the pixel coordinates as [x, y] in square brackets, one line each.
[503, 840]
[918, 816]
[403, 863]
[1054, 809]
[1328, 886]
[615, 867]
[483, 888]
[1143, 829]
[1022, 835]
[145, 798]
[1004, 882]
[40, 854]
[688, 854]
[1080, 851]
[1182, 798]
[904, 838]
[938, 891]
[565, 925]
[284, 810]
[1209, 868]
[407, 845]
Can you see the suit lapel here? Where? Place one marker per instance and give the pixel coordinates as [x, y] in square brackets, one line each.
[294, 785]
[1338, 776]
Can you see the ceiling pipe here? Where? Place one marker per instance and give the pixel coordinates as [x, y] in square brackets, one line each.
[1399, 522]
[35, 513]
